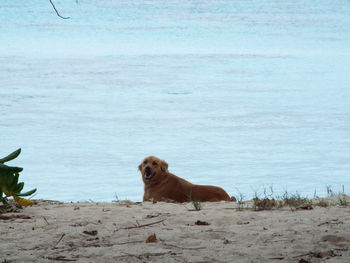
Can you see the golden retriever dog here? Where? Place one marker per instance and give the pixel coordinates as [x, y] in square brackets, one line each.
[160, 185]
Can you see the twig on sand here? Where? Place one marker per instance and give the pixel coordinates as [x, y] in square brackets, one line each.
[331, 222]
[63, 17]
[138, 226]
[130, 242]
[47, 222]
[143, 255]
[59, 240]
[303, 255]
[189, 248]
[61, 258]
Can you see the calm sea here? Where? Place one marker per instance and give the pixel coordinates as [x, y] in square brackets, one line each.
[244, 94]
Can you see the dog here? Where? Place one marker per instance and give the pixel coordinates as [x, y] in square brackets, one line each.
[160, 185]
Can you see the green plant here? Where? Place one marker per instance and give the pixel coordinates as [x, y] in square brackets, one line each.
[116, 198]
[264, 204]
[342, 200]
[322, 203]
[268, 195]
[267, 202]
[9, 185]
[196, 204]
[330, 192]
[295, 200]
[240, 201]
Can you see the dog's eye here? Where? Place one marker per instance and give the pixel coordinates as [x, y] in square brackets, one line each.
[144, 162]
[154, 163]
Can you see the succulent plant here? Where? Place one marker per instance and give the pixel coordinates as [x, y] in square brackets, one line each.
[9, 185]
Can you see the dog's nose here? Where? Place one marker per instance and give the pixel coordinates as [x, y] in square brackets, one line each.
[148, 171]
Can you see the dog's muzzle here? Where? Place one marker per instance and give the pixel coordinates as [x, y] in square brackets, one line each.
[148, 173]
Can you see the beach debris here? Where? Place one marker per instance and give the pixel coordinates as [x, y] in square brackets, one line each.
[336, 240]
[325, 254]
[3, 217]
[61, 258]
[243, 223]
[59, 240]
[201, 223]
[332, 222]
[156, 214]
[142, 256]
[317, 254]
[10, 207]
[47, 222]
[138, 226]
[226, 241]
[151, 239]
[93, 239]
[153, 215]
[184, 248]
[264, 204]
[9, 185]
[305, 207]
[91, 233]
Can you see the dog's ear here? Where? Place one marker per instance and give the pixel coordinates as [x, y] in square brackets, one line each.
[140, 166]
[164, 166]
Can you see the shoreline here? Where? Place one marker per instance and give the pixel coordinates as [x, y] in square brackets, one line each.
[125, 231]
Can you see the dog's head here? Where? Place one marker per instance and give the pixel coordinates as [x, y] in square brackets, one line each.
[152, 169]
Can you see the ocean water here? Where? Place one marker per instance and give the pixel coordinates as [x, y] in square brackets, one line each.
[244, 94]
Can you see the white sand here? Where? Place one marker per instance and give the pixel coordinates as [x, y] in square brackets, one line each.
[64, 232]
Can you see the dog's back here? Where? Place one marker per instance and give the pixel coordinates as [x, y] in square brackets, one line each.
[180, 190]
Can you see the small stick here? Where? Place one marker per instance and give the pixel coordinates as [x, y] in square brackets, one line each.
[307, 254]
[143, 255]
[46, 220]
[60, 259]
[60, 239]
[331, 223]
[130, 242]
[189, 248]
[131, 227]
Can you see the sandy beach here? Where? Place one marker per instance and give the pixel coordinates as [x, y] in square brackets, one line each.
[170, 232]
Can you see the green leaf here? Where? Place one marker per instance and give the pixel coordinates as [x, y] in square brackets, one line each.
[15, 180]
[2, 178]
[11, 156]
[18, 188]
[27, 193]
[9, 180]
[4, 168]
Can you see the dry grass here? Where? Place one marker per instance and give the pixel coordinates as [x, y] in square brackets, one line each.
[268, 200]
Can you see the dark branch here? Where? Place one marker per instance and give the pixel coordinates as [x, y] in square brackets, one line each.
[57, 11]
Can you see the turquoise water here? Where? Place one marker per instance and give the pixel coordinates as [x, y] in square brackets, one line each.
[241, 94]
